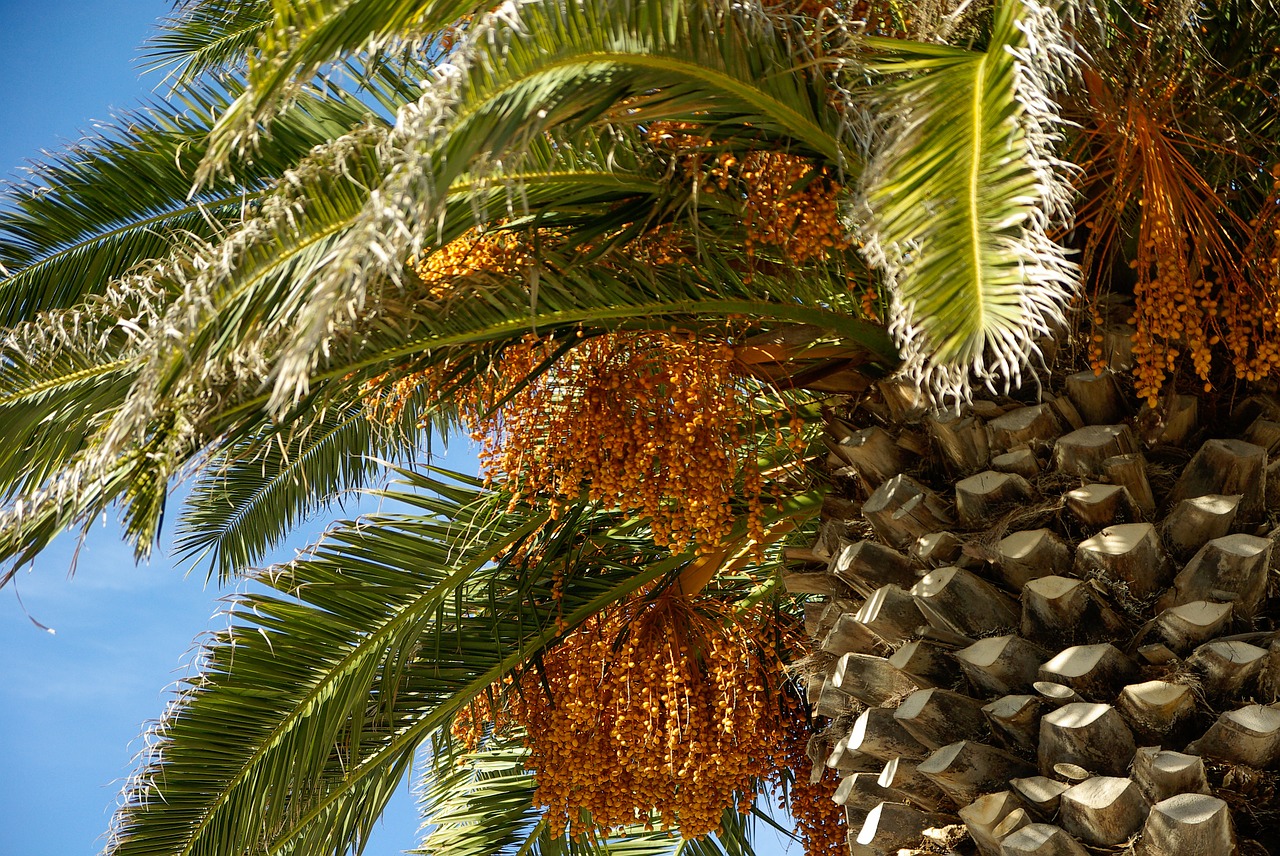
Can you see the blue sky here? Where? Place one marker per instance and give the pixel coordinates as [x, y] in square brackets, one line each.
[74, 702]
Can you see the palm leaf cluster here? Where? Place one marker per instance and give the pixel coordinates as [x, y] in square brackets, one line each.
[292, 291]
[216, 288]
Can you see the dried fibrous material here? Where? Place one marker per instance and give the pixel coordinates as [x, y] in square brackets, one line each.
[663, 709]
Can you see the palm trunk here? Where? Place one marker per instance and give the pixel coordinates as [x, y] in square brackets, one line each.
[1046, 630]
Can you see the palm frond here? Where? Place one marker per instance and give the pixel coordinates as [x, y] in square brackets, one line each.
[961, 198]
[307, 264]
[70, 372]
[306, 711]
[301, 39]
[259, 487]
[71, 390]
[479, 803]
[75, 470]
[207, 37]
[467, 334]
[90, 214]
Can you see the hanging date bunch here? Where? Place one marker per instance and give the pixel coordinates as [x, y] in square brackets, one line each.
[1252, 328]
[664, 707]
[496, 251]
[657, 423]
[820, 820]
[1195, 294]
[1203, 278]
[653, 423]
[791, 204]
[480, 719]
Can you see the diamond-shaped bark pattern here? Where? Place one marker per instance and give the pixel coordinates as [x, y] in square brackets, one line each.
[1045, 649]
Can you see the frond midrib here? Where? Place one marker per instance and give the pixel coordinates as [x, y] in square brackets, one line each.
[67, 379]
[330, 675]
[232, 522]
[875, 339]
[126, 226]
[974, 183]
[810, 133]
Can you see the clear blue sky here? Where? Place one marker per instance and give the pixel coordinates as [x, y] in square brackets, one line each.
[73, 703]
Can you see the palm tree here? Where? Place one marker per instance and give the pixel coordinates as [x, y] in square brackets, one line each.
[242, 329]
[298, 296]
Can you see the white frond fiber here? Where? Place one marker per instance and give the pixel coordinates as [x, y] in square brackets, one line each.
[401, 214]
[501, 89]
[961, 196]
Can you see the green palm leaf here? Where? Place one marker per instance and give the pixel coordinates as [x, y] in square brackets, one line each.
[478, 803]
[560, 69]
[74, 382]
[208, 36]
[215, 340]
[301, 38]
[468, 334]
[559, 66]
[247, 302]
[308, 710]
[258, 487]
[962, 195]
[100, 209]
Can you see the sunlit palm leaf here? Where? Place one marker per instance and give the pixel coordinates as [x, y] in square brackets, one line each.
[73, 384]
[962, 195]
[87, 216]
[259, 487]
[555, 66]
[208, 36]
[478, 803]
[216, 346]
[301, 38]
[307, 711]
[265, 286]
